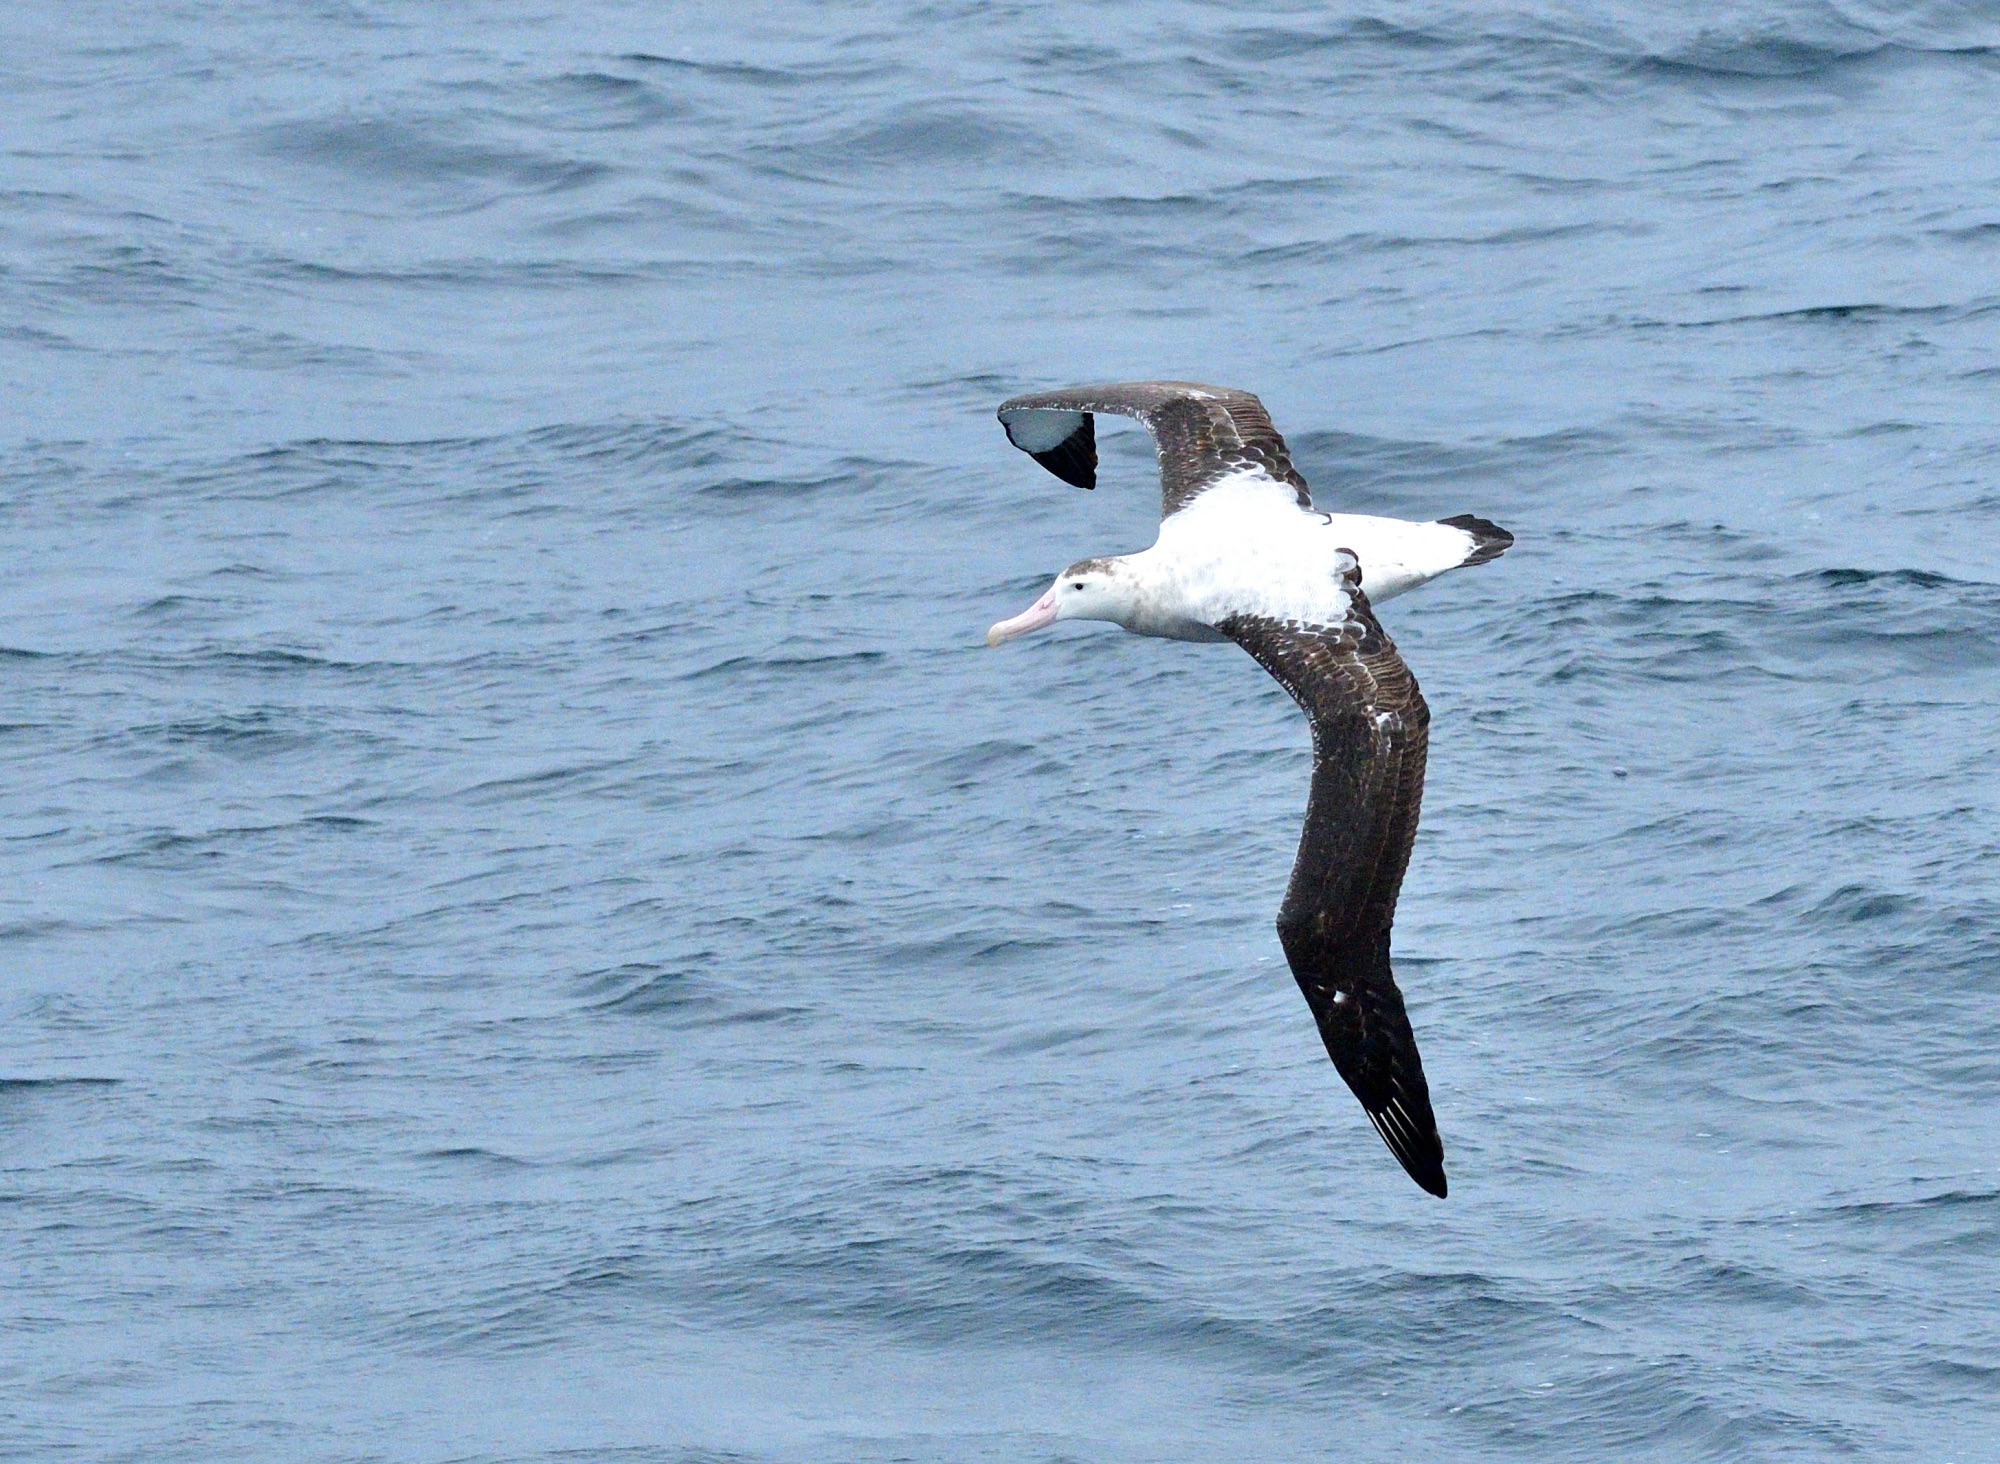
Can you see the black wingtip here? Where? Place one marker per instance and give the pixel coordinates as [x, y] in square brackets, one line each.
[1074, 459]
[1489, 540]
[1419, 1150]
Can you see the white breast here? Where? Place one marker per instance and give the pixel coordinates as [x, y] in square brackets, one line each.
[1245, 547]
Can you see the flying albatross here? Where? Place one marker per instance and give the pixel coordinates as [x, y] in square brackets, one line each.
[1243, 556]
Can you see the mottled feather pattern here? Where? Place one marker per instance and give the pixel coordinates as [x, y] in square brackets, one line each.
[1203, 434]
[1237, 553]
[1371, 731]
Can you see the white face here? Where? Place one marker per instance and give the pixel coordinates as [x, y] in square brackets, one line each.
[1089, 591]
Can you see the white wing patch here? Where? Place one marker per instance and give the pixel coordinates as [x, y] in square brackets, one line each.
[1039, 429]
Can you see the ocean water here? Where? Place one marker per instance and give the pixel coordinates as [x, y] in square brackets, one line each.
[533, 928]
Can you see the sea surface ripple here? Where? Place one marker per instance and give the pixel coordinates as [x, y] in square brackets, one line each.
[532, 927]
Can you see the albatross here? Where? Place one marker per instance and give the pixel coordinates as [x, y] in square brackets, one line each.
[1243, 556]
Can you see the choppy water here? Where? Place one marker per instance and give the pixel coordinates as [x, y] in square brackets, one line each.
[533, 928]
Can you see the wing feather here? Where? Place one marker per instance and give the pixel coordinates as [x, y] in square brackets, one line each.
[1203, 434]
[1371, 731]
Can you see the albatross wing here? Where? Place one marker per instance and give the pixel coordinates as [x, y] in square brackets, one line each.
[1371, 730]
[1204, 434]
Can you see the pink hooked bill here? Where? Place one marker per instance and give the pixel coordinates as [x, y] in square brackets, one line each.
[1037, 615]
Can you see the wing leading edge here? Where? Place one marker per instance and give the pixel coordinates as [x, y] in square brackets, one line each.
[1203, 434]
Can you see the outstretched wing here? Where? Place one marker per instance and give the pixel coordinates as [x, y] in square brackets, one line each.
[1203, 433]
[1370, 732]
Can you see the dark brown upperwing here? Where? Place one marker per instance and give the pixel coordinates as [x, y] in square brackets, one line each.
[1370, 730]
[1202, 433]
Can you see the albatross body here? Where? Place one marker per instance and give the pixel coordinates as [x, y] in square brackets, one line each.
[1243, 556]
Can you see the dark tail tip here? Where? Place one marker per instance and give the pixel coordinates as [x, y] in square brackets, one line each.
[1489, 541]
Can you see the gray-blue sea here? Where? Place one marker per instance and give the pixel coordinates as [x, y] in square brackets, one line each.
[532, 927]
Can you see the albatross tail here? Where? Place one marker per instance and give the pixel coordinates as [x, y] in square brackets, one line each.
[1489, 540]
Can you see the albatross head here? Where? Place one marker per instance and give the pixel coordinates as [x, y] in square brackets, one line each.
[1090, 589]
